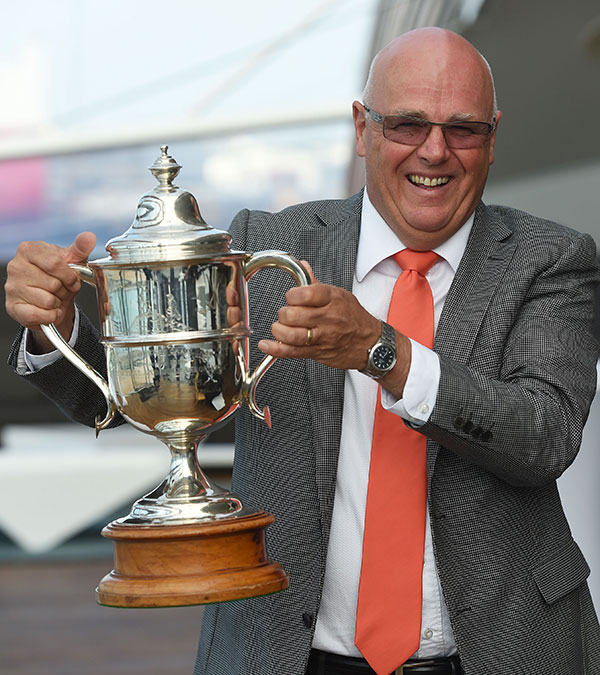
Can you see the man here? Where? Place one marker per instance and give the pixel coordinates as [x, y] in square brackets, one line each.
[501, 401]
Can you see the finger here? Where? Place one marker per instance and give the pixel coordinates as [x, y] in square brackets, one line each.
[81, 248]
[309, 269]
[38, 297]
[35, 257]
[32, 316]
[28, 284]
[315, 295]
[38, 288]
[297, 337]
[232, 297]
[23, 301]
[283, 351]
[54, 283]
[299, 316]
[234, 317]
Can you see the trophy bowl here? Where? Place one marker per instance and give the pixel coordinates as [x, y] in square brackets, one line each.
[173, 307]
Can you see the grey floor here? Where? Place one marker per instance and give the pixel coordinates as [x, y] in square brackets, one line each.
[50, 624]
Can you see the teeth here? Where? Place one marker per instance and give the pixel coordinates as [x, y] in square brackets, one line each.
[428, 182]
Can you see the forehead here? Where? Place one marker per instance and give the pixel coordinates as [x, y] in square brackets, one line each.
[438, 83]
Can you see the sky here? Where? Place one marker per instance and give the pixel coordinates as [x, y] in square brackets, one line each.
[92, 65]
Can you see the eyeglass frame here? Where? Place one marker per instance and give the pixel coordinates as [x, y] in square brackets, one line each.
[380, 119]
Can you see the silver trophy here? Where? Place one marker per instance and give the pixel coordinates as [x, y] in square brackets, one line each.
[173, 307]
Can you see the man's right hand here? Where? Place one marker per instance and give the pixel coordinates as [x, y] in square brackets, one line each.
[41, 287]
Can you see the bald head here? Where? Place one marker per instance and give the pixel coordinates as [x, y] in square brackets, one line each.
[426, 191]
[422, 47]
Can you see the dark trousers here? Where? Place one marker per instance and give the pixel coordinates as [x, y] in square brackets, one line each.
[324, 663]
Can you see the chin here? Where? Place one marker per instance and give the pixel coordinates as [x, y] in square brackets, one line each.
[425, 228]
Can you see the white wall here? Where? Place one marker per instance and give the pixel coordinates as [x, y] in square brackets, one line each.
[581, 497]
[570, 196]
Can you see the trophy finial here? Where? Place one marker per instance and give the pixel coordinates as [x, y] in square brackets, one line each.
[165, 170]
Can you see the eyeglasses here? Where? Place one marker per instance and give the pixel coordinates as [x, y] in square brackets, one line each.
[410, 130]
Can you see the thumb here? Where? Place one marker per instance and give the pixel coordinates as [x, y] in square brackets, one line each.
[81, 248]
[311, 274]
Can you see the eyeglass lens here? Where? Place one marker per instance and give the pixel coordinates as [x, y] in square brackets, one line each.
[411, 131]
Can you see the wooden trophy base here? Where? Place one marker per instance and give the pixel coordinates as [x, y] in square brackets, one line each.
[195, 564]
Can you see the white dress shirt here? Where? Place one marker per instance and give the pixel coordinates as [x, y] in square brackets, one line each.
[375, 275]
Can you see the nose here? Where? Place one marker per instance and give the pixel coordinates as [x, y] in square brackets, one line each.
[434, 149]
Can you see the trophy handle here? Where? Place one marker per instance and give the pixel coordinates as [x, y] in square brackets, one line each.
[71, 355]
[86, 273]
[282, 261]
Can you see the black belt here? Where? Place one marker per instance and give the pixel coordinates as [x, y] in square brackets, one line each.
[324, 663]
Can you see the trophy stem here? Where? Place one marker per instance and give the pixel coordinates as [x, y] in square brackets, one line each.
[186, 495]
[186, 479]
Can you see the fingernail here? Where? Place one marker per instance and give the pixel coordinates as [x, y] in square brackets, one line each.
[263, 345]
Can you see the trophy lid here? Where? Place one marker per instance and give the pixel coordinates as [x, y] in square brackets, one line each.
[167, 225]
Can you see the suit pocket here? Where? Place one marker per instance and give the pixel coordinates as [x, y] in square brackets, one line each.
[562, 573]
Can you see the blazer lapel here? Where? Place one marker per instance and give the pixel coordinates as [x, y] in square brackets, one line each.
[487, 255]
[488, 252]
[331, 250]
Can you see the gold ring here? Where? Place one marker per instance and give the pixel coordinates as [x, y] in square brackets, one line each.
[309, 337]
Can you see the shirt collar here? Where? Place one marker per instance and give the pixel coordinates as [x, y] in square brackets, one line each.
[378, 241]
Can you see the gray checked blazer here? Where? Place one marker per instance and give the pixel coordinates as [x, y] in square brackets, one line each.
[517, 377]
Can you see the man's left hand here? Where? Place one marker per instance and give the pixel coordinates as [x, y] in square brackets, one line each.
[324, 323]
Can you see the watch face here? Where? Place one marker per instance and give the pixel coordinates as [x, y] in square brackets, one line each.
[383, 357]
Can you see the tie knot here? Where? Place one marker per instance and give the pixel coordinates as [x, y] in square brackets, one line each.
[420, 261]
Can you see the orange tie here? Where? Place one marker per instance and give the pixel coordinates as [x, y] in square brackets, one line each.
[388, 617]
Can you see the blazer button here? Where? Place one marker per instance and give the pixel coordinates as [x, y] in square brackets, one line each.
[467, 426]
[308, 619]
[458, 422]
[476, 432]
[487, 436]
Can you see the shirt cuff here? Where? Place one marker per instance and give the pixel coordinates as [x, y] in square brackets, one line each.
[35, 362]
[420, 390]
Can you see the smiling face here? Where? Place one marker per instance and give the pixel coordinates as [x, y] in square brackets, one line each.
[425, 193]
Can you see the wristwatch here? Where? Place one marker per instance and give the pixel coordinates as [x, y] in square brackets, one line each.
[382, 355]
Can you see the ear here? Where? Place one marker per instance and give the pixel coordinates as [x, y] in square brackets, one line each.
[493, 139]
[360, 125]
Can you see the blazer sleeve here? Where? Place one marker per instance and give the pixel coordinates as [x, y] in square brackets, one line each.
[239, 229]
[69, 389]
[525, 423]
